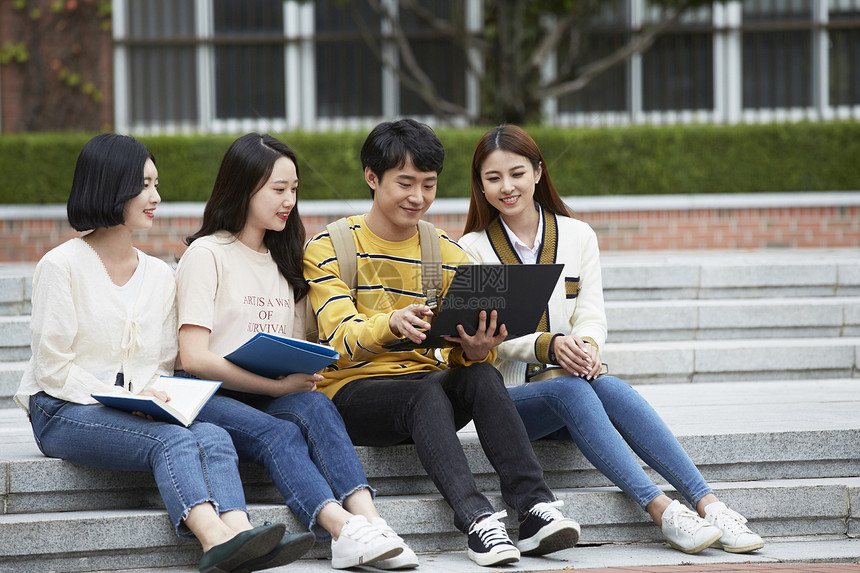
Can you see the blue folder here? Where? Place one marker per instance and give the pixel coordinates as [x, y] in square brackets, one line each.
[275, 356]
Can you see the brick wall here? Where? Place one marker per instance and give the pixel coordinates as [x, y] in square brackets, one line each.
[26, 236]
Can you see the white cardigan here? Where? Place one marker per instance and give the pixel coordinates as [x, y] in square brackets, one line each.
[82, 334]
[576, 303]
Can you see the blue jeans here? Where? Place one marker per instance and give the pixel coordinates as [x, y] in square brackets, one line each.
[428, 408]
[191, 465]
[300, 439]
[603, 417]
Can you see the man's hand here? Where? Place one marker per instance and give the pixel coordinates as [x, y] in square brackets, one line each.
[477, 347]
[406, 322]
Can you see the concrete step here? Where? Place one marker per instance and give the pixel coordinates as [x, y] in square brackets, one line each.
[731, 274]
[783, 453]
[10, 378]
[648, 320]
[684, 361]
[806, 317]
[652, 275]
[824, 554]
[15, 338]
[112, 539]
[16, 286]
[732, 431]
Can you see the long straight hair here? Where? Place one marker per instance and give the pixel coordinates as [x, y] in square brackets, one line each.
[246, 167]
[515, 140]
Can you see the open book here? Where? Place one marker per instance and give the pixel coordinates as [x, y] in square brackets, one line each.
[187, 397]
[275, 356]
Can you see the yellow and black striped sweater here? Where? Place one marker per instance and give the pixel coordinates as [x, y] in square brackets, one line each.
[389, 278]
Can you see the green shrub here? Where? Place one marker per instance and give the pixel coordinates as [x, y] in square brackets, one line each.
[37, 168]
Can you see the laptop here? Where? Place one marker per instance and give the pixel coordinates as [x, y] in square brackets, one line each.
[518, 293]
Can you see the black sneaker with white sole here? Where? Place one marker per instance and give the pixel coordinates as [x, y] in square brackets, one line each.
[489, 543]
[546, 530]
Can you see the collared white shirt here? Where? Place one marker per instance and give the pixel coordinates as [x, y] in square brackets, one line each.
[527, 255]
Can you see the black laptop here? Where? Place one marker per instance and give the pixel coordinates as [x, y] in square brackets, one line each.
[518, 293]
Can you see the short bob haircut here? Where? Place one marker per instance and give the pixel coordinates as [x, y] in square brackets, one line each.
[108, 173]
[392, 143]
[515, 140]
[244, 170]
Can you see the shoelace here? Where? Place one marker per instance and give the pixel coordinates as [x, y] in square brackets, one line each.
[683, 519]
[547, 510]
[731, 520]
[491, 531]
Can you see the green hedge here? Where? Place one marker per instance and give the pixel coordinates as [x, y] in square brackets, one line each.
[37, 168]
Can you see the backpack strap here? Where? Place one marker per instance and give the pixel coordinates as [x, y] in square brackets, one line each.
[344, 252]
[431, 262]
[347, 260]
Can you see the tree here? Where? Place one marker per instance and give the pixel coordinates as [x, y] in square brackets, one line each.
[509, 50]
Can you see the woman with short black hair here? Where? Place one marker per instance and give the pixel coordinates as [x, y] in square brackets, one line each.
[104, 321]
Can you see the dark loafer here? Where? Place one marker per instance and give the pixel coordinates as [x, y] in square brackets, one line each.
[226, 557]
[291, 547]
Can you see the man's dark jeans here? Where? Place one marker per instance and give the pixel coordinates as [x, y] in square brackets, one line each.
[428, 409]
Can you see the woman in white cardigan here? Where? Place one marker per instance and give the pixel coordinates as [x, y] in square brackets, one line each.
[104, 320]
[555, 376]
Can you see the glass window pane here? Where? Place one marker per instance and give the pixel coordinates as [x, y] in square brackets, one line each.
[607, 31]
[844, 54]
[777, 69]
[678, 72]
[438, 57]
[248, 17]
[445, 66]
[156, 19]
[777, 10]
[249, 74]
[348, 74]
[777, 54]
[249, 81]
[162, 84]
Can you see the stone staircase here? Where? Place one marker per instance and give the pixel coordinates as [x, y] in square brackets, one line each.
[751, 358]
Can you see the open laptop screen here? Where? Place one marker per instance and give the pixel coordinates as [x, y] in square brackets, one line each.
[518, 293]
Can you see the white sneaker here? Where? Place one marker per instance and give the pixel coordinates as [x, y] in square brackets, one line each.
[406, 560]
[686, 531]
[489, 543]
[361, 543]
[737, 537]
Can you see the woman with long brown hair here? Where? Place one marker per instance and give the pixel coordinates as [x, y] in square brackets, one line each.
[555, 376]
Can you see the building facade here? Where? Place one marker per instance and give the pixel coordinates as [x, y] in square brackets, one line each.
[236, 65]
[231, 65]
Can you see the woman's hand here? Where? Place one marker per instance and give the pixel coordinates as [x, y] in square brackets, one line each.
[407, 321]
[577, 356]
[477, 347]
[296, 382]
[160, 394]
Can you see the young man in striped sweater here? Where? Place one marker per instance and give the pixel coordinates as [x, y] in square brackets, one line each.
[392, 397]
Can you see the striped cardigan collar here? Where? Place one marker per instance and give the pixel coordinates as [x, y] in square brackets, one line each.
[504, 249]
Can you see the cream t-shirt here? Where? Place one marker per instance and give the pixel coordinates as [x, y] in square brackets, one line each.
[235, 292]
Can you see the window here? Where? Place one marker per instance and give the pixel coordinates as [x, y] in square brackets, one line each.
[777, 54]
[844, 56]
[249, 59]
[607, 32]
[161, 61]
[348, 74]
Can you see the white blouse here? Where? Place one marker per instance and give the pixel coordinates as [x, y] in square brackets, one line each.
[82, 333]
